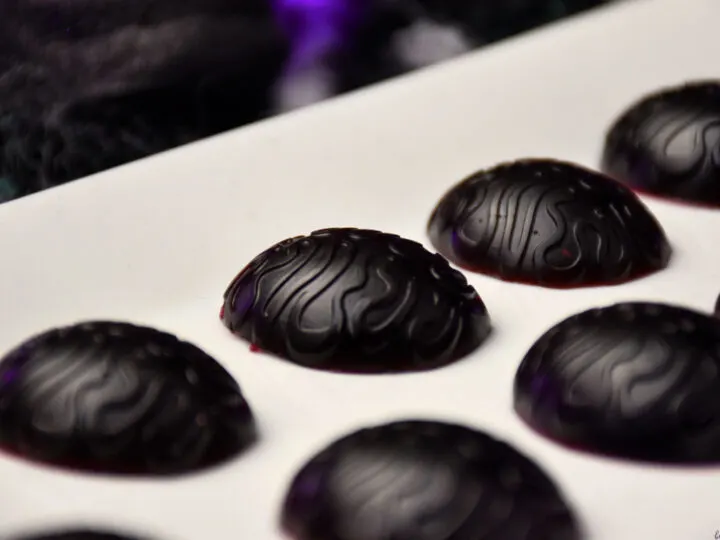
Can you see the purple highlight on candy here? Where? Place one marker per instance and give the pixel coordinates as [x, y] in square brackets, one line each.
[544, 390]
[13, 363]
[307, 488]
[9, 376]
[539, 383]
[310, 485]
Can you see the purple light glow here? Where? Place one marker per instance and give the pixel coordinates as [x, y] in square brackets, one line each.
[317, 28]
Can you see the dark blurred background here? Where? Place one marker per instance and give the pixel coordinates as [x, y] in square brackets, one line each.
[86, 85]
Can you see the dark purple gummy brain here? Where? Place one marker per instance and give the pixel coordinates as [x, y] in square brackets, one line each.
[548, 223]
[424, 480]
[633, 380]
[356, 301]
[668, 144]
[78, 534]
[121, 399]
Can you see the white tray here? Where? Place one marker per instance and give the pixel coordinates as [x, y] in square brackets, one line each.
[157, 242]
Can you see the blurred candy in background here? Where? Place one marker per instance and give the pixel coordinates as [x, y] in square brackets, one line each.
[86, 85]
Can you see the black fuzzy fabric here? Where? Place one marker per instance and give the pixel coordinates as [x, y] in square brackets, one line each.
[86, 85]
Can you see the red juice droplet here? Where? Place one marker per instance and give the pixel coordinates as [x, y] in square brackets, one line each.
[222, 312]
[255, 348]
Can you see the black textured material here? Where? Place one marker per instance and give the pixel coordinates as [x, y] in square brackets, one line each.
[87, 85]
[424, 480]
[668, 144]
[356, 301]
[548, 223]
[633, 380]
[91, 137]
[116, 398]
[717, 306]
[79, 534]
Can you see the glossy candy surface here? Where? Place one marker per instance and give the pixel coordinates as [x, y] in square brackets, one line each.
[633, 380]
[357, 301]
[116, 398]
[668, 144]
[548, 223]
[424, 480]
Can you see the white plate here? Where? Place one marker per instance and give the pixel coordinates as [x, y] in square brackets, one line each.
[157, 241]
